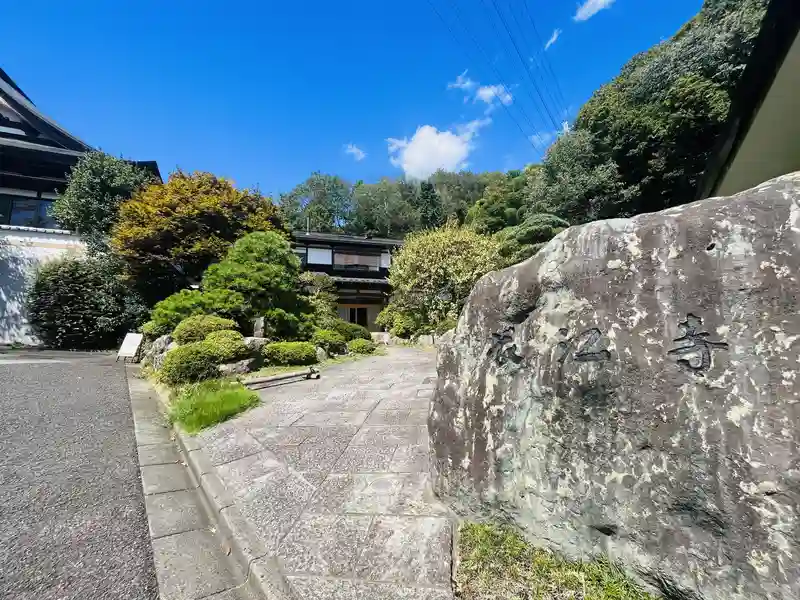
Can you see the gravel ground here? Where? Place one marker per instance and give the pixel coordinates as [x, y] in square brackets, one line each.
[72, 514]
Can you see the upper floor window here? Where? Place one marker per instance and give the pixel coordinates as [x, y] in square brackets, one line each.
[359, 262]
[26, 211]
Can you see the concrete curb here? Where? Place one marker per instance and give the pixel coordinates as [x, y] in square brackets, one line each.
[262, 573]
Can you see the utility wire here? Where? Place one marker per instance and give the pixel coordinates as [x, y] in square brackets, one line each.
[544, 55]
[553, 121]
[541, 73]
[529, 138]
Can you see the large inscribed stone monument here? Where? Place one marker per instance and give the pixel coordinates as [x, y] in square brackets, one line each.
[633, 390]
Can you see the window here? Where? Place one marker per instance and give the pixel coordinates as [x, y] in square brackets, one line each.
[357, 262]
[358, 315]
[25, 212]
[302, 254]
[45, 220]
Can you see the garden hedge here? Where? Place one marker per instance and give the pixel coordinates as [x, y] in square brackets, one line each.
[196, 328]
[330, 341]
[290, 353]
[360, 346]
[192, 362]
[350, 331]
[228, 345]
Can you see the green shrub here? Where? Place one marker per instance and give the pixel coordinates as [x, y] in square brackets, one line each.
[82, 303]
[330, 341]
[207, 403]
[282, 325]
[446, 325]
[404, 326]
[186, 364]
[361, 346]
[196, 328]
[290, 353]
[350, 331]
[187, 303]
[228, 345]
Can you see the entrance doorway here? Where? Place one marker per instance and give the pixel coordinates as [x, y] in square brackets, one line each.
[358, 315]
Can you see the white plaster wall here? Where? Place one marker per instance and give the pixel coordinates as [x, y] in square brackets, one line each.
[320, 256]
[22, 249]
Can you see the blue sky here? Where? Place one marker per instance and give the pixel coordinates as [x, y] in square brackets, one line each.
[265, 92]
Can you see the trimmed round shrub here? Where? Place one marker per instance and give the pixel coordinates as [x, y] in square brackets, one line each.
[168, 313]
[196, 328]
[330, 341]
[360, 346]
[290, 353]
[189, 363]
[350, 331]
[82, 304]
[228, 345]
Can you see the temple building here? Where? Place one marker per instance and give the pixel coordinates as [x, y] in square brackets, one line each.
[358, 265]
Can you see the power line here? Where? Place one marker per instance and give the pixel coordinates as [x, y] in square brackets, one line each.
[540, 71]
[544, 55]
[536, 146]
[553, 121]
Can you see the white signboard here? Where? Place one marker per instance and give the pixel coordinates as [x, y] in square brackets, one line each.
[130, 345]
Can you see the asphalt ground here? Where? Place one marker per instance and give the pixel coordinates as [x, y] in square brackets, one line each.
[72, 513]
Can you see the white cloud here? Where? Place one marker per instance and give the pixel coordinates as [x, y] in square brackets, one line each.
[462, 82]
[357, 152]
[553, 38]
[590, 8]
[429, 149]
[490, 93]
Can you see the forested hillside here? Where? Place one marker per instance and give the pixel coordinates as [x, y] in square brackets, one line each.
[639, 144]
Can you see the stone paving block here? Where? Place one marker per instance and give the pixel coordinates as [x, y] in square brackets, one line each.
[191, 575]
[333, 418]
[175, 512]
[404, 403]
[364, 459]
[228, 442]
[250, 545]
[376, 493]
[157, 479]
[324, 544]
[389, 591]
[272, 503]
[409, 550]
[216, 491]
[239, 593]
[317, 588]
[237, 475]
[271, 436]
[152, 433]
[410, 459]
[319, 456]
[380, 435]
[337, 433]
[158, 454]
[398, 417]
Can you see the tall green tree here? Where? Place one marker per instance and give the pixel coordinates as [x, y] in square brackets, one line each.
[459, 191]
[383, 209]
[503, 203]
[96, 186]
[429, 206]
[324, 202]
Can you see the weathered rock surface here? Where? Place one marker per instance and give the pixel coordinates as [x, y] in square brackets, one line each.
[255, 344]
[154, 354]
[240, 367]
[321, 354]
[633, 389]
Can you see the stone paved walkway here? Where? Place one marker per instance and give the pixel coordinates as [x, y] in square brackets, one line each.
[333, 475]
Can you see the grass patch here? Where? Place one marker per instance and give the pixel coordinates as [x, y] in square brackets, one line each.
[207, 403]
[496, 563]
[336, 360]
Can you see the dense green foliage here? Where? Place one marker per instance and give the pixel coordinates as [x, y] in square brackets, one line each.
[82, 303]
[330, 341]
[228, 345]
[263, 269]
[172, 310]
[350, 331]
[96, 186]
[361, 346]
[210, 402]
[496, 563]
[196, 328]
[169, 233]
[320, 292]
[322, 202]
[189, 363]
[290, 353]
[432, 275]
